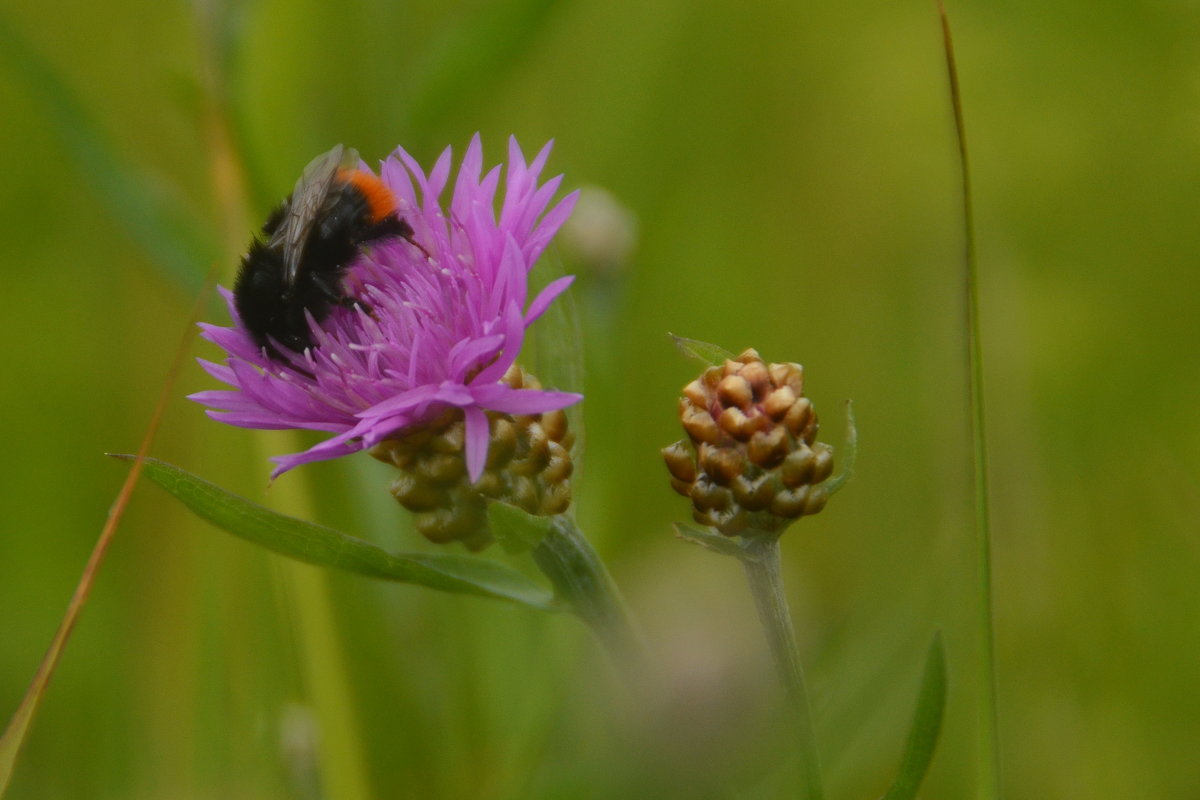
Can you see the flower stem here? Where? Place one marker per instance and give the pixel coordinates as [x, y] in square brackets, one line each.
[581, 580]
[760, 558]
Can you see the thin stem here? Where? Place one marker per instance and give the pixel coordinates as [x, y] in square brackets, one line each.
[328, 681]
[13, 738]
[989, 740]
[760, 558]
[581, 580]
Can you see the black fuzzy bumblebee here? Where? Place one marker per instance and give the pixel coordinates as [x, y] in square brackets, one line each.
[307, 244]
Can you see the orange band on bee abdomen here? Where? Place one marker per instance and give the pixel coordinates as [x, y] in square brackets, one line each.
[379, 197]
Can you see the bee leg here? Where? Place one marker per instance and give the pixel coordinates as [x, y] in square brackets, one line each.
[409, 238]
[405, 232]
[393, 226]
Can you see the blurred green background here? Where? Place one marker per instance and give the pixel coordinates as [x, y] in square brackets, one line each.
[792, 171]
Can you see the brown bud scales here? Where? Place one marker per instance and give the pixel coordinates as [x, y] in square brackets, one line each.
[528, 465]
[751, 463]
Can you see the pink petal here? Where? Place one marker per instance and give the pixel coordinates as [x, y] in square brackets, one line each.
[546, 297]
[549, 226]
[498, 397]
[467, 354]
[514, 335]
[437, 179]
[466, 188]
[476, 441]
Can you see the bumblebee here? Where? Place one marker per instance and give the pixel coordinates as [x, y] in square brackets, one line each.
[307, 243]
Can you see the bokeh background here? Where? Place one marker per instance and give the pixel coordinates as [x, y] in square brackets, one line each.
[791, 171]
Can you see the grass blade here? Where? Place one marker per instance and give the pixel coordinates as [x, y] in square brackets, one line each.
[22, 719]
[316, 544]
[989, 739]
[926, 725]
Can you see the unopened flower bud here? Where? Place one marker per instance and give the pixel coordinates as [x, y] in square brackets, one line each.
[681, 462]
[751, 463]
[528, 465]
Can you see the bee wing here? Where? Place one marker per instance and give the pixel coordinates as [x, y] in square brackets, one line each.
[304, 208]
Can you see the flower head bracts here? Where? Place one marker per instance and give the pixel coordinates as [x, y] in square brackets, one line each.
[447, 317]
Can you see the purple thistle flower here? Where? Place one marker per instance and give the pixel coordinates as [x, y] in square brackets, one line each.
[442, 329]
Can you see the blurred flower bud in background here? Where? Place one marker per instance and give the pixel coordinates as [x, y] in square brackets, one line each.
[601, 232]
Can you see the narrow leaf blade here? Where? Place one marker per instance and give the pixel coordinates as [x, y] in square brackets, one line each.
[926, 725]
[317, 544]
[707, 539]
[709, 354]
[849, 453]
[22, 719]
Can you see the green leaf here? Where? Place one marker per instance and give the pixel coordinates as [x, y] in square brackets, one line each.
[707, 539]
[710, 354]
[316, 544]
[849, 453]
[926, 725]
[153, 215]
[515, 529]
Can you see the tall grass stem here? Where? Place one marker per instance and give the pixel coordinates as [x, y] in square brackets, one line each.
[13, 738]
[989, 740]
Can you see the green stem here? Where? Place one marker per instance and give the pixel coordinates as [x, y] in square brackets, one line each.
[580, 579]
[760, 557]
[990, 787]
[328, 684]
